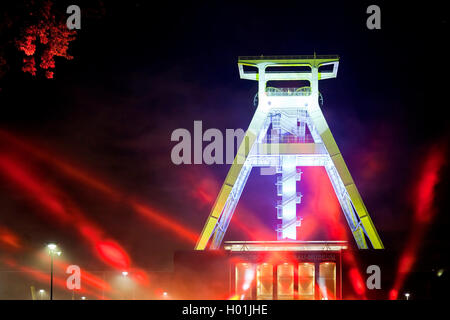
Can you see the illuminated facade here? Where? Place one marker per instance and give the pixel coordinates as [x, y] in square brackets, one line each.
[292, 270]
[288, 130]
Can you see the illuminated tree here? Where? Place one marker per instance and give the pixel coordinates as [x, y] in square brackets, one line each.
[46, 36]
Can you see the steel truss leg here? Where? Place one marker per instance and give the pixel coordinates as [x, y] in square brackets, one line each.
[344, 174]
[253, 133]
[344, 201]
[230, 206]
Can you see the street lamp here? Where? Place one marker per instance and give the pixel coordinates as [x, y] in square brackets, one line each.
[41, 294]
[407, 296]
[128, 283]
[52, 249]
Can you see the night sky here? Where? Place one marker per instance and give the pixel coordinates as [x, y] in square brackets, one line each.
[140, 71]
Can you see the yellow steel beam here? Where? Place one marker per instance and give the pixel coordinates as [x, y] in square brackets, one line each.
[314, 61]
[244, 149]
[344, 173]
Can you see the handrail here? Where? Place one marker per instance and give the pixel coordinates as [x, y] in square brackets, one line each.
[287, 92]
[301, 57]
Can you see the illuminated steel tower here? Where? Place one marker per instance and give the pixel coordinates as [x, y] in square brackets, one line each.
[288, 130]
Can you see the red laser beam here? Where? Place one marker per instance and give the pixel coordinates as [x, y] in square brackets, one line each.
[155, 216]
[204, 192]
[70, 170]
[9, 239]
[40, 192]
[110, 252]
[151, 214]
[44, 277]
[87, 278]
[323, 217]
[140, 277]
[423, 195]
[113, 254]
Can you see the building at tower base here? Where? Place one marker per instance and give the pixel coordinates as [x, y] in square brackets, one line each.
[263, 270]
[298, 267]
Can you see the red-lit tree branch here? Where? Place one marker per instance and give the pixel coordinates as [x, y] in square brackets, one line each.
[46, 37]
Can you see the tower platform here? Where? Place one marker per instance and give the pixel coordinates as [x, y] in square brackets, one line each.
[287, 245]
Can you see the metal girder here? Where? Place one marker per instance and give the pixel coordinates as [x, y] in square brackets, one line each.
[230, 206]
[235, 171]
[346, 178]
[344, 201]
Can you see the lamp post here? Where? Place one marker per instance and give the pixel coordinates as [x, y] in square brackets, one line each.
[53, 249]
[407, 296]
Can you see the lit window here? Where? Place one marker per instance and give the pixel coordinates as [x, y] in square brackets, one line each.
[327, 280]
[285, 285]
[245, 273]
[264, 285]
[306, 281]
